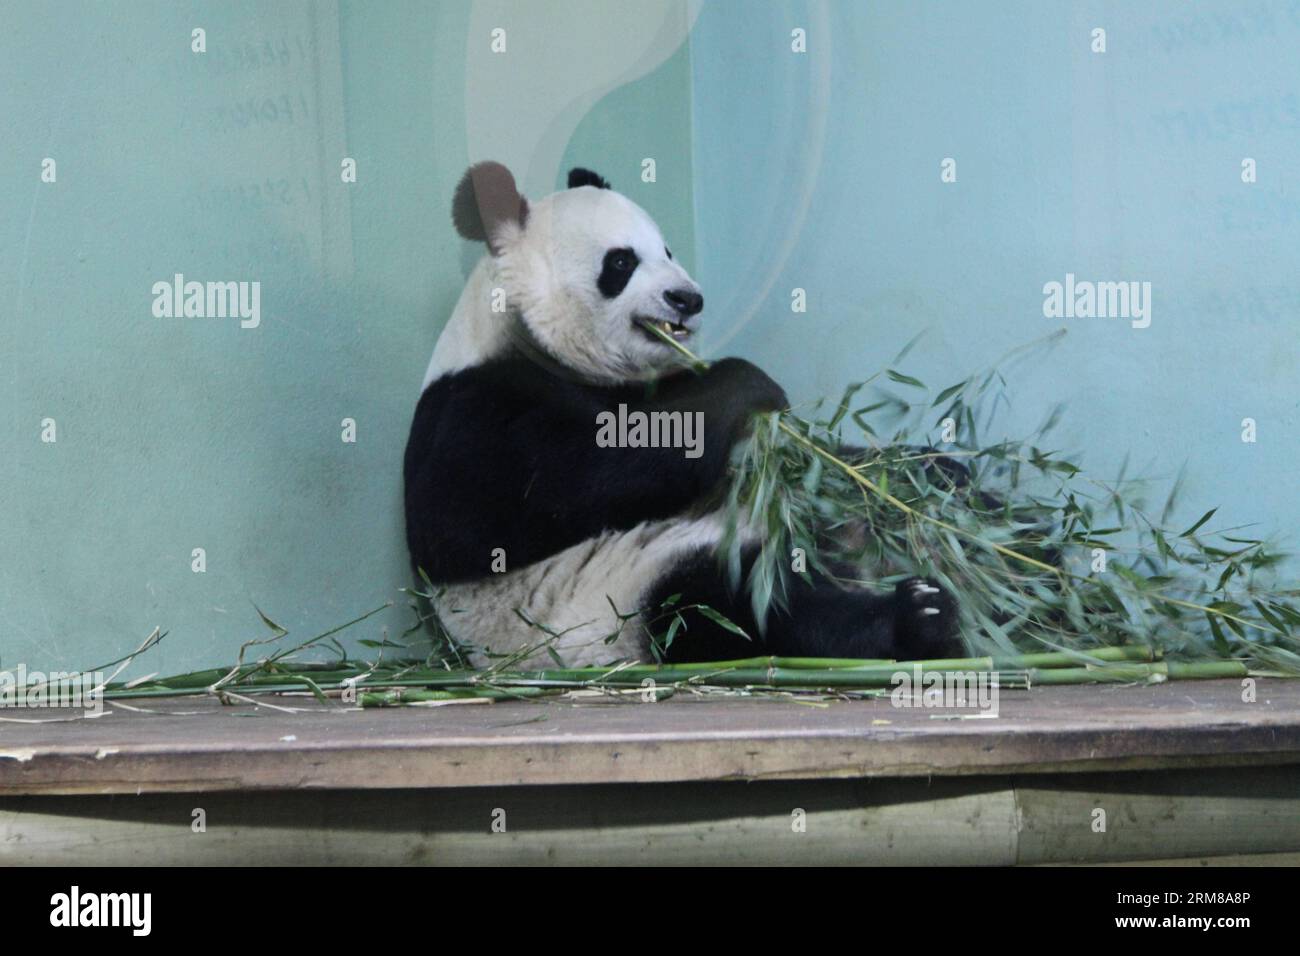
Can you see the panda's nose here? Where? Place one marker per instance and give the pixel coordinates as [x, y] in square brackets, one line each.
[685, 301]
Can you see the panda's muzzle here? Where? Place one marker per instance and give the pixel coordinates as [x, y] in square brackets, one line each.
[686, 303]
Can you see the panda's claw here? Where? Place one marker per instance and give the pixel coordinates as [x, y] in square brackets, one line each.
[925, 623]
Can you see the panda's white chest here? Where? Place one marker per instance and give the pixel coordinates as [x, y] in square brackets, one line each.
[573, 594]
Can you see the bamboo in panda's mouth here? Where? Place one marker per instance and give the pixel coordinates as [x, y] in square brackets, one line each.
[664, 327]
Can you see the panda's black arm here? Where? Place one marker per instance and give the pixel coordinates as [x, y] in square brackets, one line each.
[504, 456]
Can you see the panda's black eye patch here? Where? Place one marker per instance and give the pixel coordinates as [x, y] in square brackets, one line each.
[616, 271]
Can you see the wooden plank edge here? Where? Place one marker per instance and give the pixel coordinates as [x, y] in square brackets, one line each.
[494, 762]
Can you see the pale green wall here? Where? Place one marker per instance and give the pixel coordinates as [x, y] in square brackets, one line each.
[774, 171]
[182, 433]
[821, 171]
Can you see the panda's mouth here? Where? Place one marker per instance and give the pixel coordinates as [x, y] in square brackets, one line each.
[663, 326]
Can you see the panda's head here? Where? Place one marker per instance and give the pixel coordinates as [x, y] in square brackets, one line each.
[585, 270]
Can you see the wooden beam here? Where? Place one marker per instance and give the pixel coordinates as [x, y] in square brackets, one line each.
[959, 820]
[196, 744]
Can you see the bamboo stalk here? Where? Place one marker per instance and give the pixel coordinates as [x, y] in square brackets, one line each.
[839, 672]
[406, 695]
[1124, 665]
[1044, 659]
[1131, 673]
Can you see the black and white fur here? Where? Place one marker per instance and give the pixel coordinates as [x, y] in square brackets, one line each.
[503, 454]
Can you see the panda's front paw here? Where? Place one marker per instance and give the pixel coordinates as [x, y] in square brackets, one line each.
[925, 621]
[745, 387]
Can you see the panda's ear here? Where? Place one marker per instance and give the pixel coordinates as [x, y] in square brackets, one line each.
[585, 177]
[487, 200]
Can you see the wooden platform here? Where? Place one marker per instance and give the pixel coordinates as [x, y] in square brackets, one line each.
[196, 744]
[1181, 772]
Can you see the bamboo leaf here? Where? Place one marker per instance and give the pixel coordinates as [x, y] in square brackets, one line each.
[948, 393]
[279, 631]
[721, 620]
[904, 379]
[1204, 518]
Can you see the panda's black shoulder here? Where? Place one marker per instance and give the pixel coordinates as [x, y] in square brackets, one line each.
[473, 395]
[479, 405]
[504, 385]
[502, 376]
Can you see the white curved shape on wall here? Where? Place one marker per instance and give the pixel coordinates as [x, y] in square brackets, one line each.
[561, 57]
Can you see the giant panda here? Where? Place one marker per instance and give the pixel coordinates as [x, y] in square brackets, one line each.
[540, 542]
